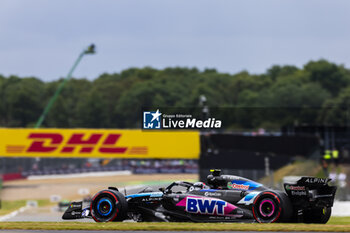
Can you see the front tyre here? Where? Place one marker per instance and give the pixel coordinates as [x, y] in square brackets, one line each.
[108, 205]
[318, 215]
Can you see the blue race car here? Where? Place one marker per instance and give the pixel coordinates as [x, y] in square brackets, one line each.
[224, 198]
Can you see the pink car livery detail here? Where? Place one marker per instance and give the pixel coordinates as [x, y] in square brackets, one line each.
[206, 205]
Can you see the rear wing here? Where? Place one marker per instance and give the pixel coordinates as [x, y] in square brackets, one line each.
[311, 191]
[313, 181]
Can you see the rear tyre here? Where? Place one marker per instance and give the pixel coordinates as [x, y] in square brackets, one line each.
[270, 207]
[108, 205]
[319, 215]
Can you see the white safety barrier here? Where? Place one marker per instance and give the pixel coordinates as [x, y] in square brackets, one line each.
[341, 208]
[79, 175]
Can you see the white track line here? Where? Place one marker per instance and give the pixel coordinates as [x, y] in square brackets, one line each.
[14, 213]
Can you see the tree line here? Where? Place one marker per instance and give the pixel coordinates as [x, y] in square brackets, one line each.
[317, 93]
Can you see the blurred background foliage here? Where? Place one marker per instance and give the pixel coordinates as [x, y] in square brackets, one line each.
[116, 100]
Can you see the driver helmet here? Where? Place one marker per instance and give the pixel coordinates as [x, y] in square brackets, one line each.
[200, 186]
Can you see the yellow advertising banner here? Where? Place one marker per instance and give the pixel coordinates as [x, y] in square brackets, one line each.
[99, 143]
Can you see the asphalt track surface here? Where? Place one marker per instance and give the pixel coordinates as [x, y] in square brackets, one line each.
[75, 231]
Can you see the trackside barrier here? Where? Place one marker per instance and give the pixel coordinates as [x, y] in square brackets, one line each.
[99, 143]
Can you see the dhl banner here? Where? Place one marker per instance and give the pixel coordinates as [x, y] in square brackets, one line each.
[99, 143]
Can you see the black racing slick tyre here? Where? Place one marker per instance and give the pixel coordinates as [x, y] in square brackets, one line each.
[318, 215]
[108, 205]
[270, 206]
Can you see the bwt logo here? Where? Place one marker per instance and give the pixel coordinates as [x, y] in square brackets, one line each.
[205, 206]
[152, 120]
[103, 143]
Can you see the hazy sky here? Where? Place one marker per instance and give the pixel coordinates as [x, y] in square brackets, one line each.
[42, 38]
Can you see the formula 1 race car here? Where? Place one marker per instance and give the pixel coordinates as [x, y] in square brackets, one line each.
[225, 198]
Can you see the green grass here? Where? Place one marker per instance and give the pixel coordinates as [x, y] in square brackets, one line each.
[336, 224]
[300, 167]
[9, 206]
[339, 221]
